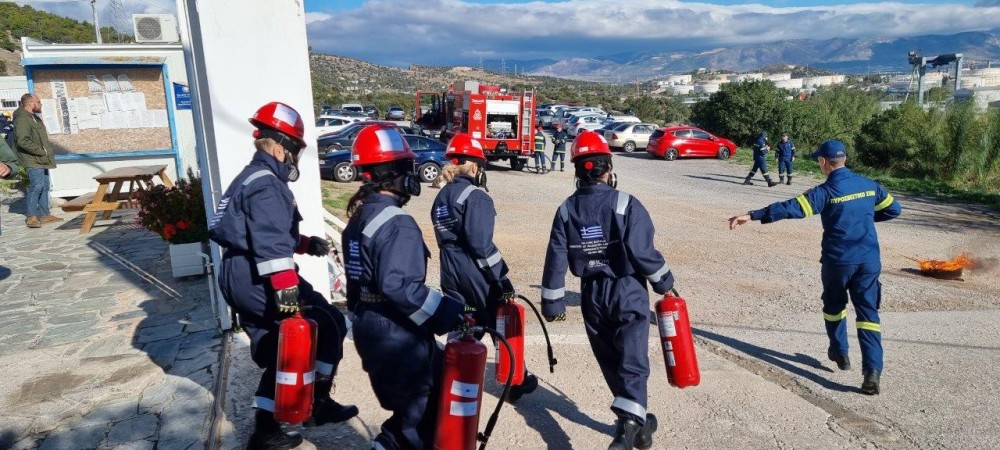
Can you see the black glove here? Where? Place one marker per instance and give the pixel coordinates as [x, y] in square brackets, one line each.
[559, 318]
[318, 246]
[286, 291]
[506, 288]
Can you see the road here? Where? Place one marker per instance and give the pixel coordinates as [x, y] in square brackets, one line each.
[754, 299]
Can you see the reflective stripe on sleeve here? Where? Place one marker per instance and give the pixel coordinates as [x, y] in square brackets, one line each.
[324, 368]
[624, 404]
[553, 294]
[885, 203]
[256, 175]
[807, 209]
[275, 265]
[564, 212]
[427, 309]
[658, 274]
[264, 403]
[835, 317]
[465, 194]
[381, 219]
[491, 261]
[623, 200]
[870, 326]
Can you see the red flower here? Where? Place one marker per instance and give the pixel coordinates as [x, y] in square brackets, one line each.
[182, 225]
[169, 231]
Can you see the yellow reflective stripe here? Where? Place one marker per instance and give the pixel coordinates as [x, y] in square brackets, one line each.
[870, 326]
[807, 209]
[835, 317]
[885, 203]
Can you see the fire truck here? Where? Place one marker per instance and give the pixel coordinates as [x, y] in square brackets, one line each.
[502, 121]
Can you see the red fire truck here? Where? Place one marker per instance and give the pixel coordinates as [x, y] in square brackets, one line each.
[502, 121]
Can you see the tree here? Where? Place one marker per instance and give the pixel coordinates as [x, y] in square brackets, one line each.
[741, 110]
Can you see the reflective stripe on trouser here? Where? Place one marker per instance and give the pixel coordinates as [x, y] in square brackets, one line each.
[859, 282]
[249, 298]
[759, 164]
[403, 362]
[616, 317]
[785, 166]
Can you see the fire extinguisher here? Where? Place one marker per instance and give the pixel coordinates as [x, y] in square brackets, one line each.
[677, 341]
[293, 393]
[511, 322]
[462, 391]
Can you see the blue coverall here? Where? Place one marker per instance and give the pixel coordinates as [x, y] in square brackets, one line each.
[257, 224]
[760, 158]
[471, 264]
[605, 237]
[849, 205]
[559, 138]
[397, 317]
[784, 151]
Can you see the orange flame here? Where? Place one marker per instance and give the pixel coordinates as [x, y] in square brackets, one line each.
[962, 261]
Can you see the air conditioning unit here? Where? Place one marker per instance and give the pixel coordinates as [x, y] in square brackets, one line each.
[155, 28]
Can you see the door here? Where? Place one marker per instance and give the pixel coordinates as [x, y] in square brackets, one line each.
[682, 142]
[640, 135]
[702, 144]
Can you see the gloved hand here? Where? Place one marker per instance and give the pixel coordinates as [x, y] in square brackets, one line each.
[559, 318]
[286, 291]
[506, 288]
[313, 245]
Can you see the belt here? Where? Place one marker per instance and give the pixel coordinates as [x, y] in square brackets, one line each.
[367, 297]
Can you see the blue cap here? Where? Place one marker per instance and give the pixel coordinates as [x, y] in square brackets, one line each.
[830, 149]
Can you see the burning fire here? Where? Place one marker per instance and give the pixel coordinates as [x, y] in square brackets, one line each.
[962, 261]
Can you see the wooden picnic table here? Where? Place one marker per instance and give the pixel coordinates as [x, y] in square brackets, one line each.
[104, 202]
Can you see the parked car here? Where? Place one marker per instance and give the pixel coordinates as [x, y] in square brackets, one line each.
[356, 107]
[630, 136]
[395, 113]
[329, 124]
[336, 165]
[544, 118]
[671, 143]
[622, 118]
[371, 111]
[585, 122]
[344, 138]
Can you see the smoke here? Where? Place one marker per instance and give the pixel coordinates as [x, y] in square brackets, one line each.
[985, 265]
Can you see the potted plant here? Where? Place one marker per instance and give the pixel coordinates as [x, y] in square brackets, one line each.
[178, 215]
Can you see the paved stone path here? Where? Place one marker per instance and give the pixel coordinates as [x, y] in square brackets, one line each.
[100, 346]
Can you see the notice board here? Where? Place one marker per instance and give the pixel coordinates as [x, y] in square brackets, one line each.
[104, 109]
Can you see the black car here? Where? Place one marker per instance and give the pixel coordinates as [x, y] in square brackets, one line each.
[336, 165]
[344, 138]
[371, 111]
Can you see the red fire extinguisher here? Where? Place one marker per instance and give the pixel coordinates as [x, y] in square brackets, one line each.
[462, 391]
[293, 396]
[677, 341]
[511, 323]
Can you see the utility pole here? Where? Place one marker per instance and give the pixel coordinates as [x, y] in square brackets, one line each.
[97, 26]
[503, 65]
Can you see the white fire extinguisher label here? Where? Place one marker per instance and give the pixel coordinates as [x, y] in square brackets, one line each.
[464, 409]
[668, 352]
[288, 378]
[467, 390]
[502, 328]
[666, 323]
[308, 377]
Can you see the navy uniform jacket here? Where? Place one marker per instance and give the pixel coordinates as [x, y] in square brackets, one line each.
[758, 147]
[784, 151]
[384, 255]
[600, 232]
[464, 217]
[849, 205]
[257, 219]
[560, 137]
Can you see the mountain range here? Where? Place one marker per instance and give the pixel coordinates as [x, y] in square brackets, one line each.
[861, 55]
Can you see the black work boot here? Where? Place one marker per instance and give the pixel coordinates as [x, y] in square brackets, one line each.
[781, 179]
[842, 360]
[527, 386]
[644, 439]
[770, 182]
[562, 167]
[327, 410]
[789, 180]
[625, 433]
[747, 182]
[870, 384]
[267, 434]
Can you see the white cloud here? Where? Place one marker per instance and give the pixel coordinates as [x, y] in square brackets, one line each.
[451, 31]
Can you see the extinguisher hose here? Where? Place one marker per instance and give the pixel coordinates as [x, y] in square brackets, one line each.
[484, 436]
[548, 343]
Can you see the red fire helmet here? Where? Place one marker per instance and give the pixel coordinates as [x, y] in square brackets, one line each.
[464, 145]
[281, 117]
[378, 144]
[588, 143]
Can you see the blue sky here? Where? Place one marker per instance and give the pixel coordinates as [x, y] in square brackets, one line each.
[461, 32]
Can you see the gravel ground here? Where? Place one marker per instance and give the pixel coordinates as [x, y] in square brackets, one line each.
[754, 299]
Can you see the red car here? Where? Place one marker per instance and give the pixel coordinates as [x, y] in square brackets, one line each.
[682, 142]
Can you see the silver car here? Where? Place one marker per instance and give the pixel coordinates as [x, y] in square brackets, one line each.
[630, 136]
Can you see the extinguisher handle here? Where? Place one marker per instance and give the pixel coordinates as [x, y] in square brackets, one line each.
[673, 293]
[548, 343]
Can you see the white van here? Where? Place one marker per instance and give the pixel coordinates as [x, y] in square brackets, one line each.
[356, 107]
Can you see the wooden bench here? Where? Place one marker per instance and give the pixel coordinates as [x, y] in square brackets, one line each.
[77, 204]
[104, 202]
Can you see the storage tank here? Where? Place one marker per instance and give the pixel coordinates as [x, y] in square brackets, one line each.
[707, 88]
[793, 83]
[780, 76]
[682, 89]
[746, 77]
[990, 76]
[971, 82]
[679, 79]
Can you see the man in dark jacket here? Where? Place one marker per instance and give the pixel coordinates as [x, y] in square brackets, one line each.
[36, 155]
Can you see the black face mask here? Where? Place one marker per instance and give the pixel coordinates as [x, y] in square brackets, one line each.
[291, 149]
[292, 162]
[613, 180]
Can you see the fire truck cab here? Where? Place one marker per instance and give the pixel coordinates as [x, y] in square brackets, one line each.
[500, 120]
